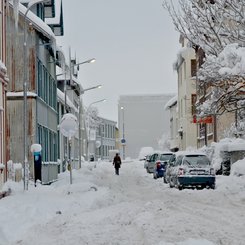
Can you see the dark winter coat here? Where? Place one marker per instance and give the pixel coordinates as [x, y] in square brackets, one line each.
[117, 162]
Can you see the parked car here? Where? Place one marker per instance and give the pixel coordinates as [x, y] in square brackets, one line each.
[190, 169]
[150, 165]
[160, 164]
[147, 158]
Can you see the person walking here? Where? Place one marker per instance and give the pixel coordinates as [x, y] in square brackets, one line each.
[117, 163]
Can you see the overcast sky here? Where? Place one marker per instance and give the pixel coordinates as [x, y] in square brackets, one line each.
[134, 43]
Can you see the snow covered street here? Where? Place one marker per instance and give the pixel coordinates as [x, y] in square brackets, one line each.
[132, 208]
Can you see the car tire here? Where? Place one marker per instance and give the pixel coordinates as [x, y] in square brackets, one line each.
[212, 186]
[180, 187]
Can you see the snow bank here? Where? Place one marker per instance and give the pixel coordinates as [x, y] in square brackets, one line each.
[238, 168]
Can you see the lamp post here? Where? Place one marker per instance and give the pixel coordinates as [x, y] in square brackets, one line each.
[79, 121]
[25, 121]
[123, 141]
[95, 102]
[70, 69]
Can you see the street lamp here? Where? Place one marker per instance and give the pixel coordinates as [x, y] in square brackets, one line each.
[84, 62]
[123, 141]
[95, 102]
[80, 113]
[25, 121]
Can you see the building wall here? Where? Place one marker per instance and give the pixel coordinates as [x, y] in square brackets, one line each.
[186, 88]
[3, 84]
[174, 125]
[41, 103]
[106, 135]
[145, 121]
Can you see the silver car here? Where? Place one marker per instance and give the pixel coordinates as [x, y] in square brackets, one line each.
[150, 164]
[190, 169]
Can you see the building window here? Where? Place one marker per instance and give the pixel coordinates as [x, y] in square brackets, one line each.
[193, 68]
[48, 140]
[193, 104]
[46, 86]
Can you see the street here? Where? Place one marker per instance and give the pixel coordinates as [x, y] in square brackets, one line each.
[132, 208]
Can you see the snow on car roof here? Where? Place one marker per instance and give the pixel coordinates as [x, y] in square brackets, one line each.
[186, 153]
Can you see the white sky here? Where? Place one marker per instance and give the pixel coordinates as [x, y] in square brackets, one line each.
[130, 209]
[134, 43]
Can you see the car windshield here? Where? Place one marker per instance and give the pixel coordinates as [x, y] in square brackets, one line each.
[165, 157]
[196, 160]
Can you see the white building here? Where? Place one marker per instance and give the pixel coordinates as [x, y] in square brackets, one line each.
[186, 69]
[172, 106]
[105, 137]
[142, 122]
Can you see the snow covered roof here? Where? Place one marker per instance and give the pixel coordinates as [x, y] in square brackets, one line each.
[37, 23]
[171, 102]
[61, 98]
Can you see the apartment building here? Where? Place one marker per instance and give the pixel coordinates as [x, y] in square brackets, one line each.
[186, 70]
[35, 66]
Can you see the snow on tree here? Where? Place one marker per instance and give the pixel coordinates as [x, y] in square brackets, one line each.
[209, 24]
[227, 73]
[92, 119]
[218, 28]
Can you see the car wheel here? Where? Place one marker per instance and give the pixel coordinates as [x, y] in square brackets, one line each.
[212, 186]
[180, 187]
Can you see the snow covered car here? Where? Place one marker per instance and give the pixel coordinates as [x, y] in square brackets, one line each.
[150, 162]
[147, 158]
[160, 164]
[191, 169]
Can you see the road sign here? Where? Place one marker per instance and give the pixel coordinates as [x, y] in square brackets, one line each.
[123, 141]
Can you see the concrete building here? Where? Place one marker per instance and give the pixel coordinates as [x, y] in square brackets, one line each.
[3, 86]
[106, 135]
[172, 106]
[186, 69]
[142, 121]
[40, 69]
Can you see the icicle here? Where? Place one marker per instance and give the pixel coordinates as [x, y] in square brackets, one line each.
[53, 44]
[16, 11]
